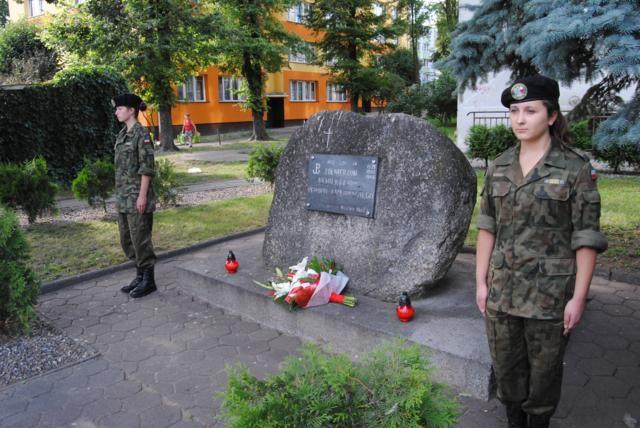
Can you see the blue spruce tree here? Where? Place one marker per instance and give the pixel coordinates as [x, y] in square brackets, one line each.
[596, 40]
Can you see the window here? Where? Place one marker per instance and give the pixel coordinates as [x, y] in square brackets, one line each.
[302, 90]
[336, 92]
[299, 12]
[192, 90]
[36, 7]
[229, 87]
[304, 56]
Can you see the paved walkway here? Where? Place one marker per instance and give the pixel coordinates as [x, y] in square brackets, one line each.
[162, 360]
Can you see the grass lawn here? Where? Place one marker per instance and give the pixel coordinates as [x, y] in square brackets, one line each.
[244, 146]
[620, 220]
[71, 248]
[211, 171]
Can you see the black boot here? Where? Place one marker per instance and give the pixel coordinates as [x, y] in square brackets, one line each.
[539, 421]
[137, 280]
[148, 284]
[516, 417]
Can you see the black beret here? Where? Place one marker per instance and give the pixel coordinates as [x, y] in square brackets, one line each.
[127, 100]
[531, 88]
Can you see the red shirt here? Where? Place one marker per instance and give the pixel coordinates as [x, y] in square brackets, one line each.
[187, 125]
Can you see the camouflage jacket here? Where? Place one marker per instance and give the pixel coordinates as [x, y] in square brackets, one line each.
[133, 159]
[539, 222]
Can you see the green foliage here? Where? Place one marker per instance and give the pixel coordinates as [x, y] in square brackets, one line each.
[580, 135]
[412, 101]
[165, 183]
[616, 155]
[4, 12]
[487, 143]
[391, 387]
[28, 187]
[446, 21]
[24, 58]
[441, 97]
[263, 162]
[252, 43]
[350, 34]
[95, 182]
[19, 287]
[154, 44]
[65, 120]
[400, 62]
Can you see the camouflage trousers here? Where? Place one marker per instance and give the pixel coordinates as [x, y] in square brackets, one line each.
[135, 238]
[527, 360]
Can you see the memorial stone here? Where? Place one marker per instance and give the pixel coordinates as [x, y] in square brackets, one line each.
[388, 197]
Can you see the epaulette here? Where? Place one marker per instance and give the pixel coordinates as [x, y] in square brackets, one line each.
[585, 157]
[506, 157]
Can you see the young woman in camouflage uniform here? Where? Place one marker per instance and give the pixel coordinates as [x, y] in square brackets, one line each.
[135, 201]
[538, 238]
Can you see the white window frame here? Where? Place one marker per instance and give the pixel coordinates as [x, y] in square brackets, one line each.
[33, 11]
[301, 57]
[193, 90]
[336, 93]
[303, 90]
[228, 87]
[297, 13]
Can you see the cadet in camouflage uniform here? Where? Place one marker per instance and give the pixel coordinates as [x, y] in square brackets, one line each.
[537, 244]
[135, 200]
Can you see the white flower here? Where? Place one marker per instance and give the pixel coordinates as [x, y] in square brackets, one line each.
[281, 288]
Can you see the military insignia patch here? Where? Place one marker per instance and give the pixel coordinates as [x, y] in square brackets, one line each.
[519, 91]
[594, 176]
[554, 181]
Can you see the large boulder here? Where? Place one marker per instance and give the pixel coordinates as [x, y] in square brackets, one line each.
[426, 190]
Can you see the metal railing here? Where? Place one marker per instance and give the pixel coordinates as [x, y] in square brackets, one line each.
[491, 118]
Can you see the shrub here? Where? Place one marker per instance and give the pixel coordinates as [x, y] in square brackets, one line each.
[616, 155]
[165, 183]
[391, 387]
[28, 187]
[65, 120]
[412, 101]
[19, 287]
[95, 182]
[263, 162]
[24, 58]
[487, 143]
[580, 135]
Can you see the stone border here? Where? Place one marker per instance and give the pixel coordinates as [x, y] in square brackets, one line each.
[86, 276]
[614, 274]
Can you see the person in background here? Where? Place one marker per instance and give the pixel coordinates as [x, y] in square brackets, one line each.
[135, 200]
[188, 129]
[539, 234]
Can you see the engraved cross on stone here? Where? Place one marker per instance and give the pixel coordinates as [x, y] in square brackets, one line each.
[328, 134]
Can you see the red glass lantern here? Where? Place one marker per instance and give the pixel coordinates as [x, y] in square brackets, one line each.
[404, 310]
[231, 265]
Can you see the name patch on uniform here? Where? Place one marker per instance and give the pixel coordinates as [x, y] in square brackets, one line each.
[554, 181]
[498, 174]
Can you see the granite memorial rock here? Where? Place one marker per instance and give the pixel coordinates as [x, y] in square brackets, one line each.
[388, 197]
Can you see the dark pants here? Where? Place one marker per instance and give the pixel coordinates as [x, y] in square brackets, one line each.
[527, 360]
[135, 238]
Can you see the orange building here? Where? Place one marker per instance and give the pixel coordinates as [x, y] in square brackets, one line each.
[293, 94]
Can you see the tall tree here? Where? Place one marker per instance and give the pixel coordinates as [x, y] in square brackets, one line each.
[155, 44]
[350, 34]
[446, 20]
[4, 12]
[254, 43]
[415, 16]
[570, 40]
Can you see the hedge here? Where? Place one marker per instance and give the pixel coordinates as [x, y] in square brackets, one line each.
[65, 120]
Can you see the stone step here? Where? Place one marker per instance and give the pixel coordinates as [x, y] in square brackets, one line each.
[446, 324]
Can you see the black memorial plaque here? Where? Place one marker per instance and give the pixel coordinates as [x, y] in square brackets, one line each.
[342, 184]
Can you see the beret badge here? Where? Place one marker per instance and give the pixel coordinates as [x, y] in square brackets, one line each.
[519, 91]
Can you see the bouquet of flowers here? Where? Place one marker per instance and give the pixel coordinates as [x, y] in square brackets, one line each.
[308, 284]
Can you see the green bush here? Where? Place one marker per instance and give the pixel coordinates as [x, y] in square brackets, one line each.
[28, 187]
[24, 58]
[412, 101]
[65, 120]
[391, 387]
[95, 182]
[580, 135]
[263, 162]
[19, 287]
[616, 155]
[165, 183]
[488, 142]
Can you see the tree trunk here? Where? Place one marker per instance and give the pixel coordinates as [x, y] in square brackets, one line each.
[166, 130]
[354, 104]
[259, 130]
